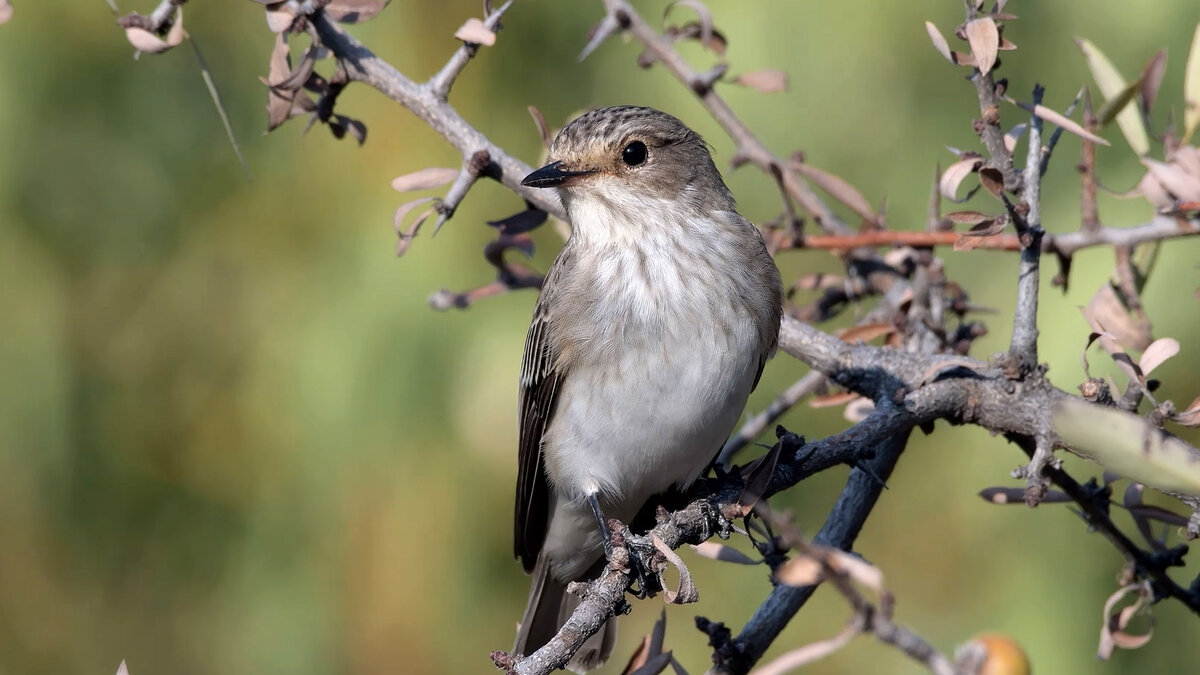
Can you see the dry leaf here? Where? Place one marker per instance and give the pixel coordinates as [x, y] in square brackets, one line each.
[121, 669]
[939, 41]
[6, 11]
[766, 81]
[858, 410]
[715, 551]
[867, 332]
[1189, 417]
[832, 400]
[984, 38]
[954, 175]
[1160, 350]
[702, 13]
[686, 593]
[1113, 628]
[424, 179]
[969, 217]
[1062, 121]
[803, 570]
[280, 17]
[474, 32]
[1014, 134]
[1178, 182]
[1151, 79]
[839, 189]
[1111, 83]
[1191, 89]
[992, 180]
[145, 41]
[861, 571]
[1154, 192]
[354, 11]
[1013, 495]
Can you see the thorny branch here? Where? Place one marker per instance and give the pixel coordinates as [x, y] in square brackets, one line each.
[910, 389]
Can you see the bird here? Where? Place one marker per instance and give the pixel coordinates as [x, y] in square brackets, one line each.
[651, 329]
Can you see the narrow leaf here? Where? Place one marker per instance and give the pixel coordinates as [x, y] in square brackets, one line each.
[1151, 79]
[766, 81]
[839, 189]
[424, 179]
[1061, 120]
[954, 175]
[1191, 89]
[1111, 84]
[939, 41]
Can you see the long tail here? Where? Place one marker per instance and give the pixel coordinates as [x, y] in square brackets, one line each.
[549, 608]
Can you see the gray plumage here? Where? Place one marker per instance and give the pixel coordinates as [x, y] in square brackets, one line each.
[651, 330]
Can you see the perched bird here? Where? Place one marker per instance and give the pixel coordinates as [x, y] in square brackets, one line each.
[651, 330]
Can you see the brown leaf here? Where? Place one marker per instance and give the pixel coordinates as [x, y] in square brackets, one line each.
[406, 236]
[1151, 80]
[803, 570]
[984, 38]
[766, 81]
[1013, 495]
[839, 189]
[686, 593]
[858, 410]
[1063, 122]
[424, 179]
[725, 553]
[987, 228]
[969, 217]
[1113, 631]
[1187, 158]
[540, 122]
[121, 669]
[758, 477]
[1154, 192]
[954, 175]
[861, 571]
[145, 41]
[1178, 182]
[832, 400]
[867, 332]
[702, 13]
[1160, 350]
[280, 17]
[354, 11]
[939, 41]
[6, 13]
[1190, 417]
[475, 32]
[992, 180]
[1014, 134]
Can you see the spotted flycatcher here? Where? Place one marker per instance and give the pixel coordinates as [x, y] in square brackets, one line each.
[651, 330]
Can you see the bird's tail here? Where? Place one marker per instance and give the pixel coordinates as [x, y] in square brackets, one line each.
[549, 608]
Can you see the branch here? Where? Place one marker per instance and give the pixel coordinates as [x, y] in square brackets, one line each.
[364, 66]
[1023, 348]
[1159, 229]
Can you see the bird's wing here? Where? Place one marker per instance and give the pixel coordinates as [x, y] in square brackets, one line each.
[541, 379]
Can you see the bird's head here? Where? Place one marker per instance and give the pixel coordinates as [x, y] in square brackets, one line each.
[626, 154]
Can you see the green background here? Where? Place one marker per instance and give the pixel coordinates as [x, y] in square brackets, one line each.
[234, 438]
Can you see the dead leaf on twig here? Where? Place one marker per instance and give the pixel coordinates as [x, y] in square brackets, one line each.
[839, 189]
[145, 41]
[766, 81]
[475, 32]
[955, 174]
[1114, 629]
[723, 552]
[686, 593]
[354, 11]
[1160, 350]
[866, 332]
[424, 179]
[984, 38]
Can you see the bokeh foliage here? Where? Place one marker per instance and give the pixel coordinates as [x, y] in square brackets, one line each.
[234, 438]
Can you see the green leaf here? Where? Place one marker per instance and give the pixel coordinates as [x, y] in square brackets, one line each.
[1111, 85]
[1128, 445]
[1191, 89]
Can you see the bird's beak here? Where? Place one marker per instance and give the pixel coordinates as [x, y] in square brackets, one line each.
[552, 176]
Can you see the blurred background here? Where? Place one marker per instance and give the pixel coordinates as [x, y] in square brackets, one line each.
[235, 439]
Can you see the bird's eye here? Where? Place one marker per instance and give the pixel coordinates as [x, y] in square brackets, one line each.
[634, 153]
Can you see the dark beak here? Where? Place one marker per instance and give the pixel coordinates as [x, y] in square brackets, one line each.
[552, 176]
